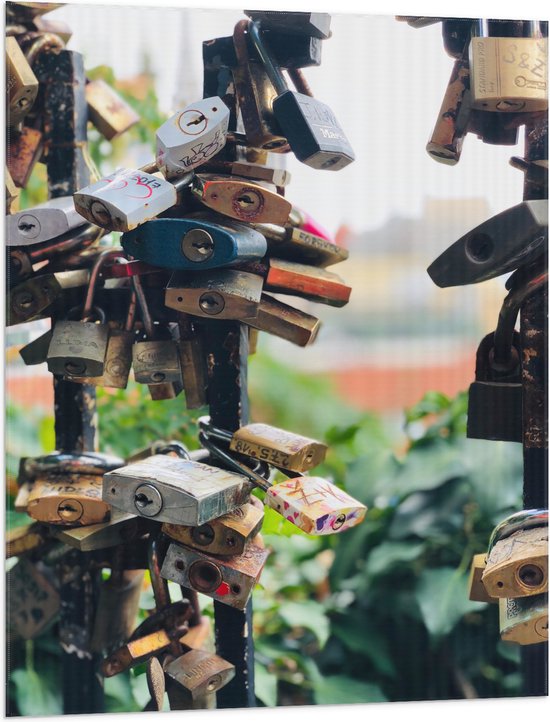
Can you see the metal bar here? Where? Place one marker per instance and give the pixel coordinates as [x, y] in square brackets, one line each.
[62, 82]
[534, 348]
[226, 347]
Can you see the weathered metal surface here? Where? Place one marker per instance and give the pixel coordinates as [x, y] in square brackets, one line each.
[524, 620]
[33, 602]
[110, 114]
[23, 153]
[280, 319]
[200, 672]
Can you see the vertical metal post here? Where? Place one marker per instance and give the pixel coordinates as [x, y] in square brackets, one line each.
[62, 82]
[226, 347]
[534, 346]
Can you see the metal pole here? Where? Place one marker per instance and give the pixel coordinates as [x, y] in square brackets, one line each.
[226, 346]
[62, 82]
[534, 353]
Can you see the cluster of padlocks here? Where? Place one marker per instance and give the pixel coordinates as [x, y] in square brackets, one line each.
[204, 238]
[498, 84]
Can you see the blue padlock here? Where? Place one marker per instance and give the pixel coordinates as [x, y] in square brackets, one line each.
[189, 244]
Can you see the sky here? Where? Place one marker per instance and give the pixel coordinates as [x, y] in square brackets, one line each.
[383, 79]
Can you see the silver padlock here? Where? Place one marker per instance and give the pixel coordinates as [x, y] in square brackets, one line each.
[43, 222]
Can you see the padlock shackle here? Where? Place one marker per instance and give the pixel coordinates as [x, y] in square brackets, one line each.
[145, 314]
[273, 72]
[520, 521]
[233, 464]
[504, 332]
[159, 584]
[94, 277]
[206, 425]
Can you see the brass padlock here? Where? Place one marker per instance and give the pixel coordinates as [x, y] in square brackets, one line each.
[226, 536]
[240, 199]
[24, 539]
[279, 177]
[193, 364]
[175, 490]
[280, 319]
[524, 620]
[295, 244]
[277, 447]
[508, 74]
[136, 651]
[477, 591]
[68, 500]
[229, 580]
[109, 113]
[21, 85]
[220, 293]
[517, 558]
[28, 299]
[24, 151]
[199, 672]
[33, 602]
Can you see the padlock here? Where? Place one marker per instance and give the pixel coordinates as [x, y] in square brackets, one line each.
[254, 94]
[12, 193]
[24, 539]
[28, 299]
[59, 463]
[494, 398]
[109, 113]
[120, 528]
[445, 144]
[43, 222]
[280, 319]
[293, 50]
[21, 83]
[78, 348]
[33, 601]
[279, 177]
[192, 136]
[24, 151]
[310, 126]
[501, 244]
[194, 243]
[229, 580]
[517, 557]
[199, 673]
[277, 447]
[313, 504]
[226, 536]
[22, 497]
[136, 652]
[298, 279]
[524, 620]
[456, 33]
[175, 490]
[117, 607]
[294, 23]
[508, 74]
[68, 500]
[477, 591]
[221, 293]
[240, 199]
[294, 244]
[193, 363]
[127, 198]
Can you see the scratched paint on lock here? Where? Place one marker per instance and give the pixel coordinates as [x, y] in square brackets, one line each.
[125, 199]
[315, 505]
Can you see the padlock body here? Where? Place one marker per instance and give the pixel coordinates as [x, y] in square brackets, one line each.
[287, 322]
[181, 491]
[524, 620]
[278, 447]
[494, 411]
[509, 74]
[192, 136]
[156, 362]
[200, 672]
[110, 114]
[312, 131]
[315, 505]
[33, 600]
[229, 581]
[226, 536]
[68, 500]
[517, 566]
[78, 348]
[118, 362]
[125, 199]
[21, 85]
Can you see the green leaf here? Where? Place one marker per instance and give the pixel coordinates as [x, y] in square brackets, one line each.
[384, 557]
[362, 636]
[118, 694]
[338, 689]
[265, 685]
[307, 614]
[442, 595]
[34, 697]
[16, 519]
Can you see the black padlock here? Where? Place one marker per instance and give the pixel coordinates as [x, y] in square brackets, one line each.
[293, 23]
[494, 398]
[293, 51]
[310, 126]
